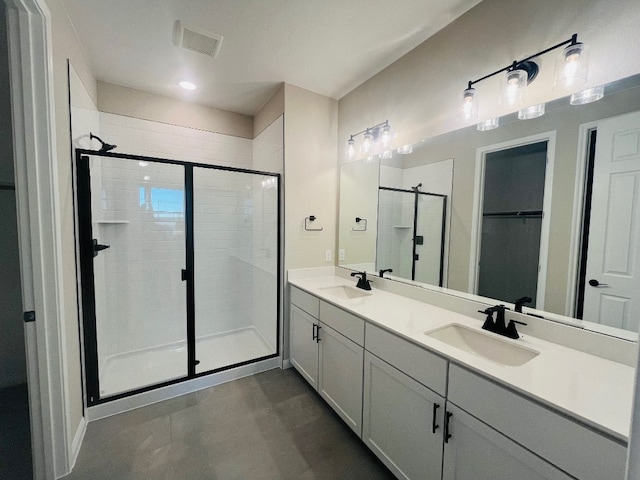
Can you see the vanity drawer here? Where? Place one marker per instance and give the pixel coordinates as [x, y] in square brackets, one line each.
[305, 301]
[576, 449]
[346, 323]
[427, 368]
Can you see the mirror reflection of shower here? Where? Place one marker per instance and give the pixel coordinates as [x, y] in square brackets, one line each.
[411, 233]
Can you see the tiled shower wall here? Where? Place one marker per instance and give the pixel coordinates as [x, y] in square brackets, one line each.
[235, 234]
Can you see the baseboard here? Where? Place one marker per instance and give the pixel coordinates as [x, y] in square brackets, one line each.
[286, 364]
[77, 443]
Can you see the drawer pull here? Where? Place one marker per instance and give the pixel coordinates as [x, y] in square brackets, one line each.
[434, 425]
[447, 420]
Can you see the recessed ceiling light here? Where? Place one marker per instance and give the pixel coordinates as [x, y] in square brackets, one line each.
[187, 85]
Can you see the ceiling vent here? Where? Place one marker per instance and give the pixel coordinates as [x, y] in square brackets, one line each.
[196, 40]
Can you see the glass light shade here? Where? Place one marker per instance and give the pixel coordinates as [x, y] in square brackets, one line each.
[512, 88]
[350, 149]
[469, 105]
[587, 96]
[385, 136]
[572, 67]
[405, 149]
[367, 142]
[490, 124]
[387, 154]
[534, 111]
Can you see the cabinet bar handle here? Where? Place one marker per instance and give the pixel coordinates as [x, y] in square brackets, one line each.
[434, 425]
[314, 335]
[318, 333]
[447, 419]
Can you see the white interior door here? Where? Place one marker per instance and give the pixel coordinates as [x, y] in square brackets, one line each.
[612, 289]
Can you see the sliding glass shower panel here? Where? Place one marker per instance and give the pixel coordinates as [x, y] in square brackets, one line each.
[429, 238]
[395, 232]
[138, 226]
[235, 267]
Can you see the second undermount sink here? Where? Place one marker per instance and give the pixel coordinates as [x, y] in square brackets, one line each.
[484, 345]
[345, 292]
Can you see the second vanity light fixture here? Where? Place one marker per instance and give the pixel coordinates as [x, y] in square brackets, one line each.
[375, 140]
[570, 72]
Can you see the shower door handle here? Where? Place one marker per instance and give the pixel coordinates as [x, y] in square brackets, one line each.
[98, 247]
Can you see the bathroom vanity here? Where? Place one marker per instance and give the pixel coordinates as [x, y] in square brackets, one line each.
[435, 396]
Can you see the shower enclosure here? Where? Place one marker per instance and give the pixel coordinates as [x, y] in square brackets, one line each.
[411, 234]
[180, 270]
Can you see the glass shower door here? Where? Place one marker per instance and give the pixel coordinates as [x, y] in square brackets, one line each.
[235, 235]
[137, 221]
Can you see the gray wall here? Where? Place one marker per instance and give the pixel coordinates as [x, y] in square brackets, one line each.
[12, 348]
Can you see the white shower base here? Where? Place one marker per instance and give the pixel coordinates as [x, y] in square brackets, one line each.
[124, 372]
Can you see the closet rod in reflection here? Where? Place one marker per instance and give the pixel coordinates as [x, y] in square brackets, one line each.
[515, 214]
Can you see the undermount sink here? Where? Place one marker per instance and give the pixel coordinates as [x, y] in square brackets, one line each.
[345, 292]
[484, 345]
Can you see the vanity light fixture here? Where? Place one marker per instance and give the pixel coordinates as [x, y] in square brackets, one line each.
[374, 139]
[571, 71]
[534, 111]
[587, 96]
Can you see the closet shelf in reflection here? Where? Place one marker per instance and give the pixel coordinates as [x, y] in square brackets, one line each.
[112, 222]
[401, 226]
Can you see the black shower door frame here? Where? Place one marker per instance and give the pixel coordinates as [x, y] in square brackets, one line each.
[86, 254]
[415, 228]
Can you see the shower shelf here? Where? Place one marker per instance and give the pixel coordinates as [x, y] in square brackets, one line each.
[112, 222]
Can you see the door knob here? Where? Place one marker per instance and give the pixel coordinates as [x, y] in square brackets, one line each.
[595, 283]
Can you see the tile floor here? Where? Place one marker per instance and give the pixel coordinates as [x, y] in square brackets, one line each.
[15, 436]
[268, 426]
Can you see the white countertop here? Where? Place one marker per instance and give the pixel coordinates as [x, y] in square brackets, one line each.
[596, 391]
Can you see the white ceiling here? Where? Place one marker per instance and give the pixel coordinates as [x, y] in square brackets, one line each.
[326, 46]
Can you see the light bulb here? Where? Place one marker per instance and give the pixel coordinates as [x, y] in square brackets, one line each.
[367, 142]
[385, 136]
[469, 107]
[512, 88]
[350, 150]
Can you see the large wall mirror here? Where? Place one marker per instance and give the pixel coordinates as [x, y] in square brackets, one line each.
[544, 210]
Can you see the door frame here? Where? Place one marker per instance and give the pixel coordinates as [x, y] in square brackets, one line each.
[476, 222]
[39, 218]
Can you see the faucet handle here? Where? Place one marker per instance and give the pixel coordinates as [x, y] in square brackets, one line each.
[511, 331]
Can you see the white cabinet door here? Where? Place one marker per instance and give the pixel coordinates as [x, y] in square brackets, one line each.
[475, 451]
[340, 376]
[402, 421]
[303, 349]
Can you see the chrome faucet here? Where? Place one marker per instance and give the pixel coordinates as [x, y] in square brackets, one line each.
[363, 283]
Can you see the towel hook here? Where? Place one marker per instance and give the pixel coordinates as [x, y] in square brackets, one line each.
[311, 218]
[358, 220]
